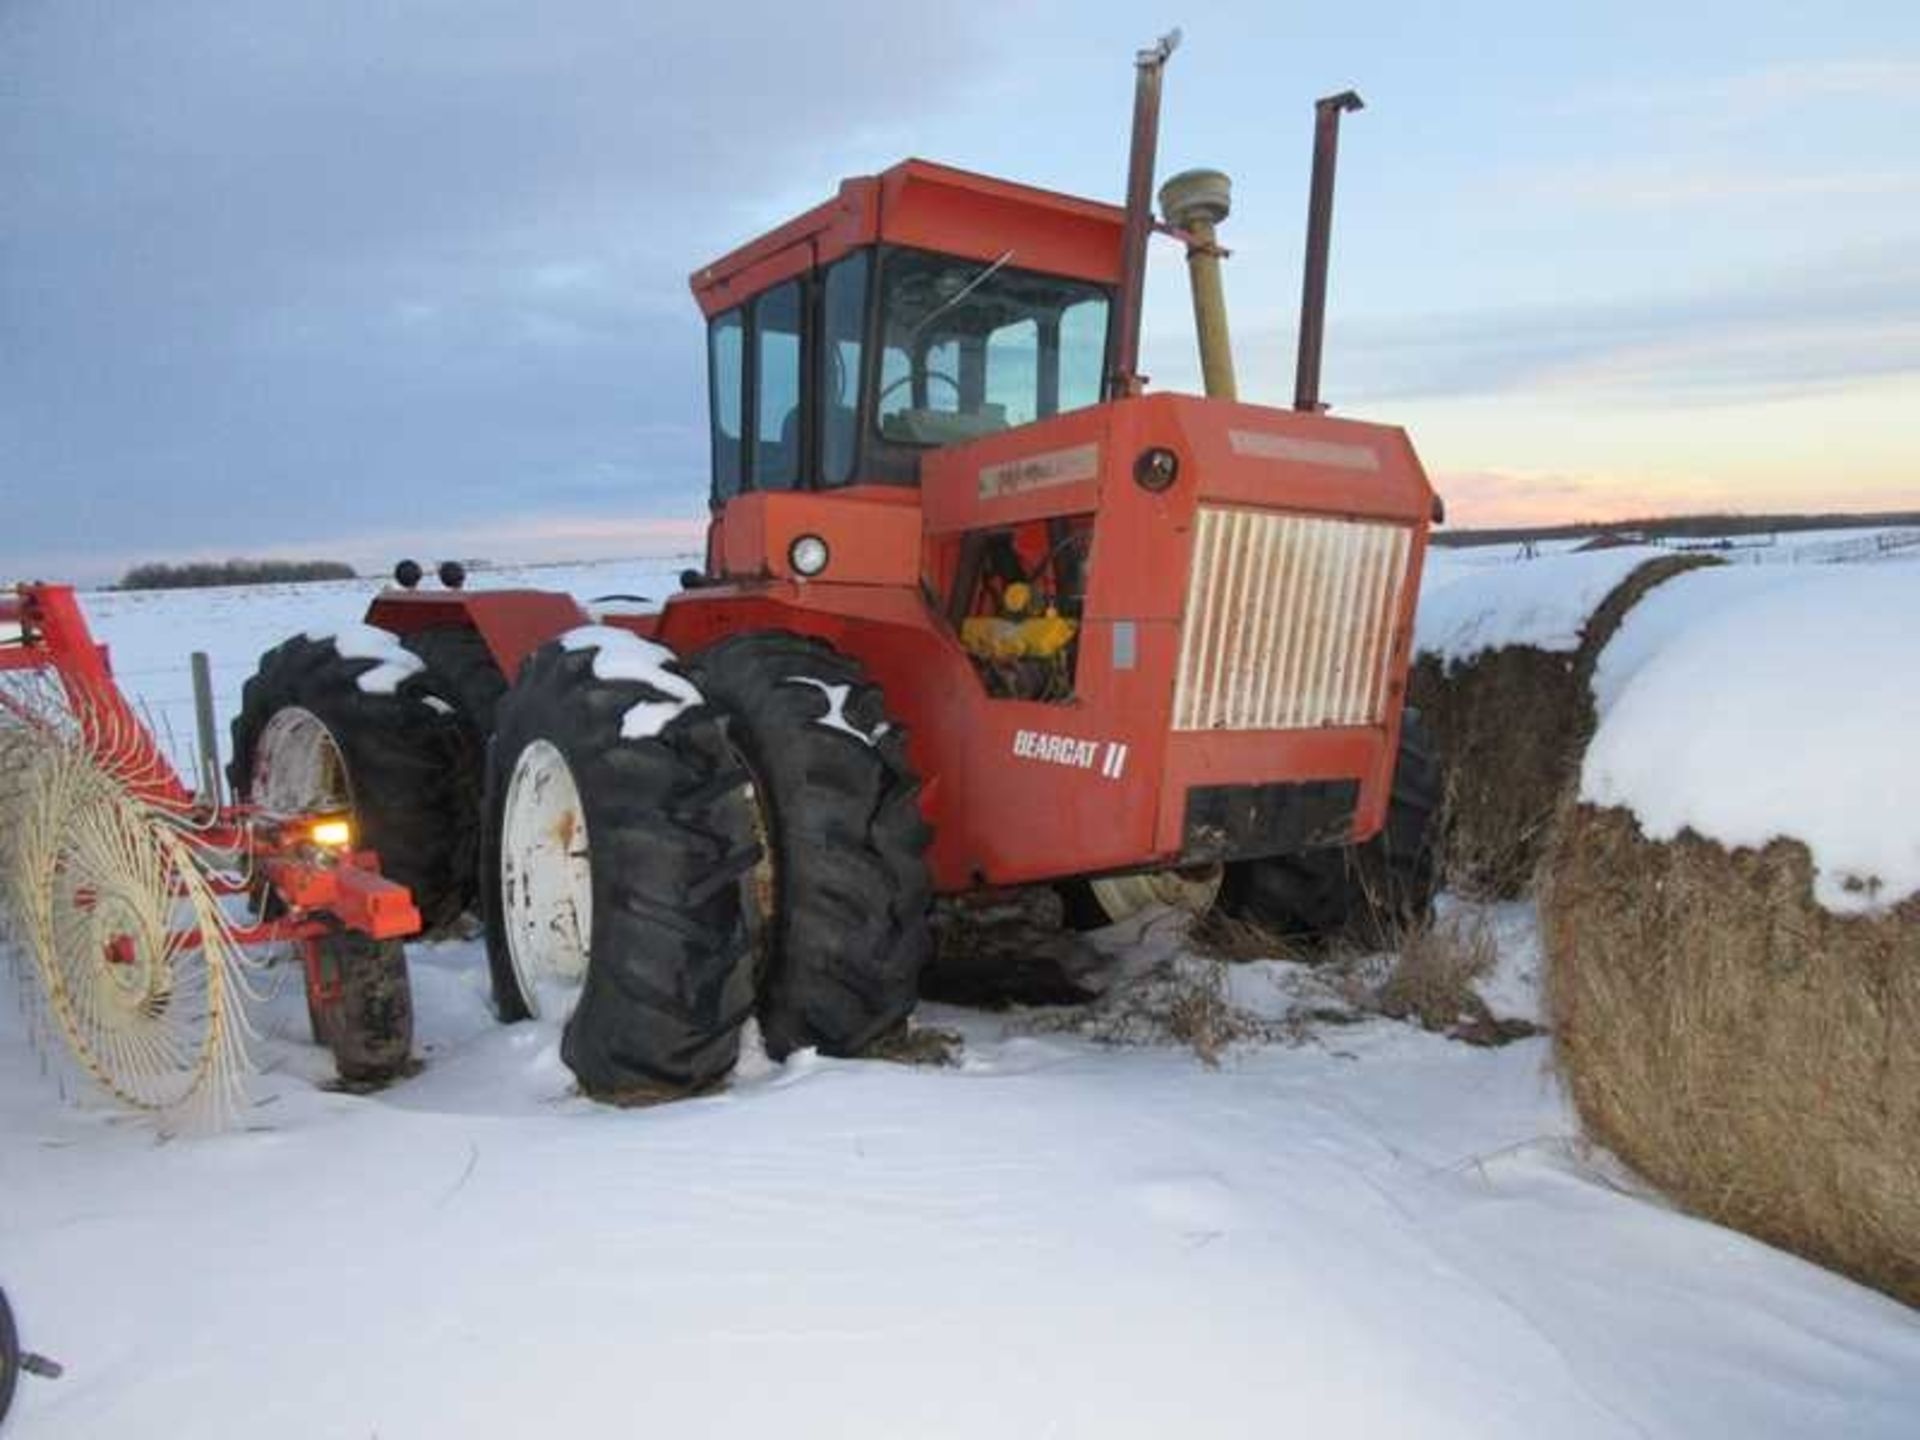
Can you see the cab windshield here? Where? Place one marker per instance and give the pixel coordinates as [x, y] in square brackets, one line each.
[970, 347]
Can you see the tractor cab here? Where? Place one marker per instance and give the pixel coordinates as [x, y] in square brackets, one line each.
[920, 308]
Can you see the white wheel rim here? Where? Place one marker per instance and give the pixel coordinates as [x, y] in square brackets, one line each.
[546, 878]
[1124, 896]
[298, 768]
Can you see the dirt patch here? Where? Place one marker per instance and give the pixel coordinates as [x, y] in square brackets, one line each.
[1512, 725]
[1751, 1054]
[1009, 948]
[924, 1045]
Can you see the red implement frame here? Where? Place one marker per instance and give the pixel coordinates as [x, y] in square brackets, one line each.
[321, 892]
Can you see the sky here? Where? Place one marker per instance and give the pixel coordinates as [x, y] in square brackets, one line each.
[362, 281]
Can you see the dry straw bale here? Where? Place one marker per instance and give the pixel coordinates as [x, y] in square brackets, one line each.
[1750, 1053]
[1512, 724]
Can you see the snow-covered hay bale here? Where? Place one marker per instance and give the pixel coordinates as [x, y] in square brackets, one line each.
[1731, 914]
[1505, 654]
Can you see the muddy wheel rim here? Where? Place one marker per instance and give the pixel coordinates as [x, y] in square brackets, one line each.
[1122, 897]
[298, 767]
[546, 879]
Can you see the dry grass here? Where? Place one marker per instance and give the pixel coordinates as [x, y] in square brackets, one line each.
[1220, 936]
[1199, 1015]
[1753, 1055]
[1512, 724]
[1433, 977]
[1182, 1000]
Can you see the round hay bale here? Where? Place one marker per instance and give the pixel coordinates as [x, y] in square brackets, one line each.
[1512, 722]
[1509, 724]
[1751, 1053]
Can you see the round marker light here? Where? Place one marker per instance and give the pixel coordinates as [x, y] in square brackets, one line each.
[1156, 469]
[807, 555]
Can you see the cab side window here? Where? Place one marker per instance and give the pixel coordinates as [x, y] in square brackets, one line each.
[726, 377]
[779, 435]
[842, 346]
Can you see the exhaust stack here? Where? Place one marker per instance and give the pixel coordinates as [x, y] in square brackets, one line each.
[1194, 202]
[1313, 289]
[1123, 353]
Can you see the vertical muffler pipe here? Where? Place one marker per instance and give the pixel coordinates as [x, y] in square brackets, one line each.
[1123, 339]
[1313, 289]
[1194, 202]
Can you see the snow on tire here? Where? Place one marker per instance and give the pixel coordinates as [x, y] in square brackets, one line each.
[617, 851]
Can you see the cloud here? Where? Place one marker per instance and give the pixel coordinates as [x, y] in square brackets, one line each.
[1797, 83]
[1492, 498]
[309, 270]
[1789, 332]
[1760, 94]
[1663, 186]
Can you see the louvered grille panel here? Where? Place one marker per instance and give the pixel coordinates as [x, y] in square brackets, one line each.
[1289, 621]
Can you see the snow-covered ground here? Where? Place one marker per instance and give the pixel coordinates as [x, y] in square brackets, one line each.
[1361, 1230]
[151, 634]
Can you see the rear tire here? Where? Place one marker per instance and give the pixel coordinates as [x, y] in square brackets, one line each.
[369, 1025]
[460, 660]
[842, 814]
[1366, 895]
[411, 768]
[658, 806]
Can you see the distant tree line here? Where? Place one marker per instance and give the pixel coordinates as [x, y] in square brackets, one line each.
[197, 574]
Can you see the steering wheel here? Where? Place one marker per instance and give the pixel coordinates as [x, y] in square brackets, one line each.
[891, 386]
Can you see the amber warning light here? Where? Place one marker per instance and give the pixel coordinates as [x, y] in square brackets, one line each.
[332, 832]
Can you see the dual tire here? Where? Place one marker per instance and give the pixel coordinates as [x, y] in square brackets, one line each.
[697, 843]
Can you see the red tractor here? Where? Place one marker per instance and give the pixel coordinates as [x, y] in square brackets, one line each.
[977, 614]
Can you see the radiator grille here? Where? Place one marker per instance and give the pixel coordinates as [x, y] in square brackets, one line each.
[1289, 621]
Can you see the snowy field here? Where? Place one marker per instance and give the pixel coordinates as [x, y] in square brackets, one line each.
[1359, 1230]
[151, 633]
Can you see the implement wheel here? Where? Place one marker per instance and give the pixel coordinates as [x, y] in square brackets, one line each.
[360, 1004]
[1366, 895]
[373, 735]
[620, 849]
[840, 807]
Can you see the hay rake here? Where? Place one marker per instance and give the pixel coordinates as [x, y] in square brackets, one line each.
[133, 901]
